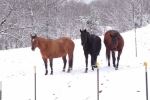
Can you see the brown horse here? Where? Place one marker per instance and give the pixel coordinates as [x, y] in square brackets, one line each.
[50, 49]
[113, 42]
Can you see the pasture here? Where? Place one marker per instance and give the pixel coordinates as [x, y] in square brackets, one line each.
[126, 83]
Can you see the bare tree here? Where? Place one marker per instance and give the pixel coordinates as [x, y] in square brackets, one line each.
[56, 18]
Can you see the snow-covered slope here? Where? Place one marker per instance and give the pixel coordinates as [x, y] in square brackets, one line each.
[127, 83]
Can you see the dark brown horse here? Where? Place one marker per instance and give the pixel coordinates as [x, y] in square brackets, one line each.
[113, 42]
[91, 45]
[50, 49]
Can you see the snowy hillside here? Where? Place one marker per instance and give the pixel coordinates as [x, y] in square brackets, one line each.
[127, 83]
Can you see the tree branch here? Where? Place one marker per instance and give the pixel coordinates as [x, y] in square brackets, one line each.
[5, 18]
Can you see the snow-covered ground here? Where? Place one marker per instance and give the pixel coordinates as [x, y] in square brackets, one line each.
[127, 83]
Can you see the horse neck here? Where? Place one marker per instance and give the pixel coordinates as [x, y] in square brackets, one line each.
[88, 42]
[89, 39]
[42, 43]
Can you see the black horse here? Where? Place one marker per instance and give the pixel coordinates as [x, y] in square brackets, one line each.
[91, 45]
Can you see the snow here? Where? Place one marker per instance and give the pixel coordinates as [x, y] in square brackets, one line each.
[127, 83]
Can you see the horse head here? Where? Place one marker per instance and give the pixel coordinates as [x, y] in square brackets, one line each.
[84, 36]
[34, 41]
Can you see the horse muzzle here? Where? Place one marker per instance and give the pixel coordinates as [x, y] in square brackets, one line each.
[32, 48]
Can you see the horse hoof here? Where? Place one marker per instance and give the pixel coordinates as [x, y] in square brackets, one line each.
[51, 72]
[63, 70]
[85, 71]
[45, 73]
[93, 69]
[116, 68]
[68, 71]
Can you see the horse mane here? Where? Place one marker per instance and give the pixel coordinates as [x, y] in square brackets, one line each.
[43, 42]
[114, 35]
[88, 36]
[44, 39]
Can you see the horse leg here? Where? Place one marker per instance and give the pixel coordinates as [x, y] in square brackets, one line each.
[92, 62]
[95, 61]
[51, 66]
[70, 62]
[108, 56]
[118, 58]
[45, 62]
[114, 58]
[65, 61]
[86, 62]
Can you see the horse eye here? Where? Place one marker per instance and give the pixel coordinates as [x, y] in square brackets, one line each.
[33, 40]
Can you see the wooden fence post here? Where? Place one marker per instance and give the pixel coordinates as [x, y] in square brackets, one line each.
[97, 64]
[35, 82]
[0, 90]
[146, 79]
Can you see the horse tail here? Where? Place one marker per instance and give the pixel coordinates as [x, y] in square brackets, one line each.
[107, 54]
[114, 38]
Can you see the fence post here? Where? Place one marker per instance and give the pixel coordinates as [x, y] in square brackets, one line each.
[97, 64]
[135, 25]
[35, 82]
[146, 79]
[0, 90]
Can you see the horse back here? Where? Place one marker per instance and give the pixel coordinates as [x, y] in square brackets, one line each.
[93, 46]
[60, 47]
[67, 44]
[96, 44]
[108, 40]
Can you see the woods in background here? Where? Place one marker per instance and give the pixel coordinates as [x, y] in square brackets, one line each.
[57, 18]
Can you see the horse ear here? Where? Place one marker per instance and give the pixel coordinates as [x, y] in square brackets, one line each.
[85, 30]
[31, 35]
[80, 30]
